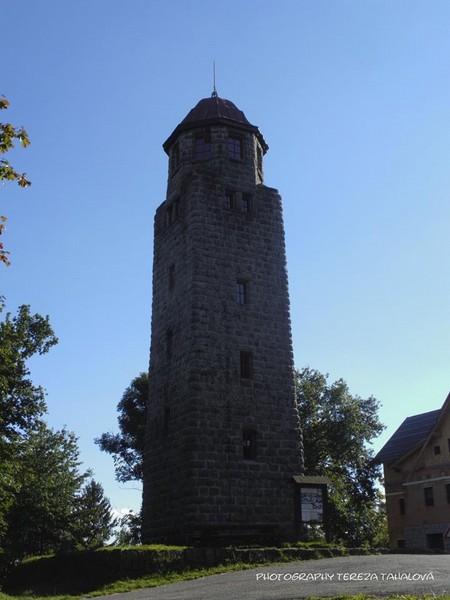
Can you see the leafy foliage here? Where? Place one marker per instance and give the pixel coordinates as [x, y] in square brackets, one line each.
[93, 520]
[337, 428]
[21, 402]
[127, 447]
[9, 135]
[129, 533]
[48, 479]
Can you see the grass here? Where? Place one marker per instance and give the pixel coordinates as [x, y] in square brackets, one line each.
[128, 585]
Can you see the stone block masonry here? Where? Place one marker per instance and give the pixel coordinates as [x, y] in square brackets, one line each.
[223, 436]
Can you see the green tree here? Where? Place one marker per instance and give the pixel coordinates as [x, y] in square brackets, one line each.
[337, 430]
[127, 447]
[48, 481]
[21, 402]
[93, 522]
[9, 135]
[129, 533]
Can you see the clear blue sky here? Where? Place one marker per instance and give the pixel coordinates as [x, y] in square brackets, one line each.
[354, 100]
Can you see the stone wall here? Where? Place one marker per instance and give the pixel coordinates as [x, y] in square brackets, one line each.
[197, 483]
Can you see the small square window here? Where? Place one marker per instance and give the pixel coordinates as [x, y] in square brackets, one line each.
[437, 449]
[234, 148]
[401, 506]
[241, 292]
[401, 544]
[428, 496]
[249, 444]
[246, 365]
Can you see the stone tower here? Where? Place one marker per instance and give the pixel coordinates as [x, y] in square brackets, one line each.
[223, 437]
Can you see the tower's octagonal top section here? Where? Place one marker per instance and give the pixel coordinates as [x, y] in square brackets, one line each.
[214, 111]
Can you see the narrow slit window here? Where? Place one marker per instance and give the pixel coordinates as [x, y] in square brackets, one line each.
[169, 343]
[166, 421]
[176, 209]
[169, 215]
[230, 199]
[447, 492]
[246, 364]
[259, 158]
[175, 157]
[172, 277]
[246, 203]
[249, 449]
[401, 506]
[241, 292]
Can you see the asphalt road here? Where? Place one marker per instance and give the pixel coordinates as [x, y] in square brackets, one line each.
[378, 575]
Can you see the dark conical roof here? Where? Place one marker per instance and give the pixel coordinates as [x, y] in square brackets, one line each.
[211, 111]
[215, 108]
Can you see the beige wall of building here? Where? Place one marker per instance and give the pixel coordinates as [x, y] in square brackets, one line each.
[418, 492]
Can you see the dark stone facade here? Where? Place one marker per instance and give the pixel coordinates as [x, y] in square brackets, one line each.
[223, 437]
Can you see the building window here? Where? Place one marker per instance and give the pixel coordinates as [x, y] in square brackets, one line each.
[435, 541]
[448, 444]
[241, 292]
[230, 199]
[246, 203]
[401, 544]
[246, 365]
[175, 157]
[169, 215]
[259, 158]
[428, 496]
[202, 147]
[447, 491]
[166, 421]
[437, 449]
[401, 506]
[169, 343]
[249, 444]
[173, 212]
[234, 148]
[171, 277]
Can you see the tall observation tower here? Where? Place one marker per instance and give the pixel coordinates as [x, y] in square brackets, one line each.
[223, 437]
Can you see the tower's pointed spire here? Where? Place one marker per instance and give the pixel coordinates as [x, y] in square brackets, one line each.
[214, 92]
